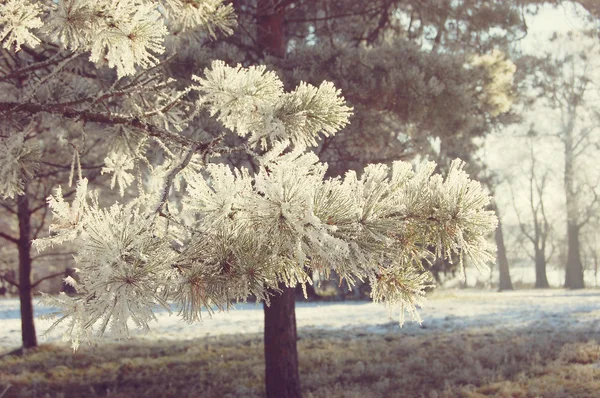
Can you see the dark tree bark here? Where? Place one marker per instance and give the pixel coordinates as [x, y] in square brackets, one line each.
[25, 287]
[281, 353]
[270, 23]
[505, 283]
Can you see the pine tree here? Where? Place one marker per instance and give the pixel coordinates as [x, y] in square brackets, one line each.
[190, 229]
[409, 77]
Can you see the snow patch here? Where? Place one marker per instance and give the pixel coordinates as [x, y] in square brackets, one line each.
[445, 311]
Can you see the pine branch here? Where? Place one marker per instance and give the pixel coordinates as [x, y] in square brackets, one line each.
[65, 167]
[383, 21]
[104, 118]
[173, 173]
[8, 208]
[337, 16]
[171, 177]
[53, 255]
[94, 99]
[39, 65]
[39, 228]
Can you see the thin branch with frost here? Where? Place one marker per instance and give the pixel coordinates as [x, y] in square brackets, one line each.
[97, 117]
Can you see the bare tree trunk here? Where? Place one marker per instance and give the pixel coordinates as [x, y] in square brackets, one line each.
[27, 324]
[505, 283]
[281, 354]
[541, 279]
[282, 378]
[574, 269]
[595, 269]
[270, 21]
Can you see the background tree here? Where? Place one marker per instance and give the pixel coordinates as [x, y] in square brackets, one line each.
[538, 230]
[41, 151]
[563, 85]
[504, 281]
[403, 93]
[35, 164]
[591, 246]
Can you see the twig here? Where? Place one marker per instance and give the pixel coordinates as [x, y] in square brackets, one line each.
[186, 160]
[99, 117]
[39, 65]
[47, 277]
[10, 280]
[5, 390]
[9, 238]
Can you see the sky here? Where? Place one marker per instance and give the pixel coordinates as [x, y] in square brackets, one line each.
[564, 17]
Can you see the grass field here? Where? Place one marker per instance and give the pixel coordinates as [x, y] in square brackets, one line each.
[526, 363]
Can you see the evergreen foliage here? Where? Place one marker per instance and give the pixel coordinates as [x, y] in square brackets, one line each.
[192, 230]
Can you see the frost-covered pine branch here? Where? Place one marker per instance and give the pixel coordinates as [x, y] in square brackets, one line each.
[119, 165]
[251, 101]
[188, 229]
[252, 231]
[18, 161]
[18, 19]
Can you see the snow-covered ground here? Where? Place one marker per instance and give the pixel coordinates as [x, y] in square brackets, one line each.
[522, 275]
[446, 310]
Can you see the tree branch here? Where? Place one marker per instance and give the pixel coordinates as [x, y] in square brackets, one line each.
[39, 65]
[52, 254]
[8, 208]
[10, 280]
[33, 285]
[521, 224]
[104, 118]
[9, 238]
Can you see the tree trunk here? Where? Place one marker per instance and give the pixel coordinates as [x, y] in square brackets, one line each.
[541, 280]
[27, 324]
[574, 269]
[270, 21]
[505, 283]
[595, 269]
[281, 354]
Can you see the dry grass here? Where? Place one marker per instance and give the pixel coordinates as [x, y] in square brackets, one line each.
[527, 363]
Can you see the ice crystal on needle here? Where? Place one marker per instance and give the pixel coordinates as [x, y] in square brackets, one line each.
[18, 18]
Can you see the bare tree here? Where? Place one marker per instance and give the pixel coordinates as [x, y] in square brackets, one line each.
[30, 217]
[538, 229]
[564, 83]
[591, 245]
[25, 215]
[505, 282]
